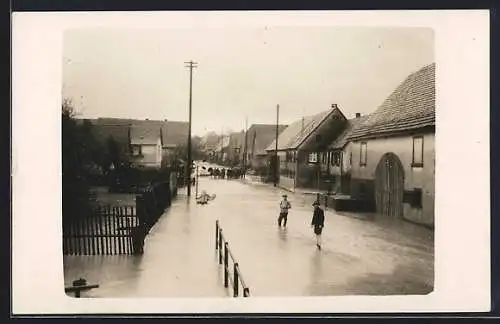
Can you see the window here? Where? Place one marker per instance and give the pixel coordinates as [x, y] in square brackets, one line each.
[313, 158]
[362, 154]
[336, 158]
[136, 150]
[350, 158]
[413, 197]
[418, 152]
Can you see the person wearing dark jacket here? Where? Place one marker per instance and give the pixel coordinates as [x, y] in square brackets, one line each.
[318, 222]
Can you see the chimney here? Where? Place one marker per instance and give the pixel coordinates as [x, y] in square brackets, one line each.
[358, 115]
[334, 106]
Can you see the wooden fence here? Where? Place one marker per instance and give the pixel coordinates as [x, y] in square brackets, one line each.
[110, 230]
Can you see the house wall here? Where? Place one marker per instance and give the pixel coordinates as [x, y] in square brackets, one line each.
[422, 178]
[258, 161]
[151, 155]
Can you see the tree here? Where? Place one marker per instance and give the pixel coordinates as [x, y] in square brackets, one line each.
[75, 157]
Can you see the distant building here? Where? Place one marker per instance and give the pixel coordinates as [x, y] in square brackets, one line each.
[259, 136]
[222, 150]
[300, 146]
[393, 160]
[208, 145]
[236, 148]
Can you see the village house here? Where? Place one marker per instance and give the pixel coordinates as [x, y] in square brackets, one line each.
[138, 141]
[393, 160]
[259, 136]
[300, 145]
[144, 143]
[336, 162]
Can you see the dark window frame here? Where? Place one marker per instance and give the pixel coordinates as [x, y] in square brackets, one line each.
[362, 163]
[413, 163]
[336, 158]
[139, 151]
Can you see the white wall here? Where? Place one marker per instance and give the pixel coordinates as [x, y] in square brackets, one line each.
[422, 178]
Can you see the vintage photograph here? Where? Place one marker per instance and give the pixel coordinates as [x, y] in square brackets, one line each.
[260, 161]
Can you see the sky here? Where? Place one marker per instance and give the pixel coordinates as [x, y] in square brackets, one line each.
[242, 73]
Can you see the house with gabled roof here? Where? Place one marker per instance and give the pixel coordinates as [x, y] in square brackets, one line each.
[393, 161]
[300, 145]
[146, 143]
[336, 161]
[259, 137]
[141, 141]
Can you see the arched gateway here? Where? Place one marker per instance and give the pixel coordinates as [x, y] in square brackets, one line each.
[389, 186]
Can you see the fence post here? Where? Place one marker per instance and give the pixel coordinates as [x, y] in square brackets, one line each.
[216, 234]
[235, 280]
[139, 232]
[226, 272]
[220, 245]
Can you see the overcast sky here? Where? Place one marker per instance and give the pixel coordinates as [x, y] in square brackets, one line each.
[241, 72]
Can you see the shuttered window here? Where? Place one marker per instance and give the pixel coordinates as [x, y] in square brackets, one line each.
[363, 154]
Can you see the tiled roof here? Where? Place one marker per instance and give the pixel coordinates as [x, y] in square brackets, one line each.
[298, 131]
[120, 134]
[410, 106]
[177, 133]
[144, 135]
[352, 125]
[139, 127]
[237, 139]
[263, 134]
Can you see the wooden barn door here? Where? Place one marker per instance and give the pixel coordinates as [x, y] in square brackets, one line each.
[389, 186]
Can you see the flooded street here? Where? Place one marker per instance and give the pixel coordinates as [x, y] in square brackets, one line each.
[358, 256]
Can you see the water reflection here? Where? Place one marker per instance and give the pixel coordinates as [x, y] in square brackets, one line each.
[316, 267]
[117, 273]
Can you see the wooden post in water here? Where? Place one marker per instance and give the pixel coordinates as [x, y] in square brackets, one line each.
[220, 245]
[139, 231]
[216, 234]
[235, 280]
[226, 272]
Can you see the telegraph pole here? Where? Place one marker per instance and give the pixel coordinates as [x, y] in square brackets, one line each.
[276, 166]
[190, 65]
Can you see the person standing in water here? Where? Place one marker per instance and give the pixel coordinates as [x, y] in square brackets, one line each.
[284, 207]
[318, 222]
